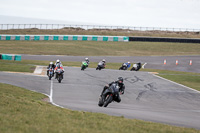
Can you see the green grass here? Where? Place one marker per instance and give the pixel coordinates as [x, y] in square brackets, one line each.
[189, 79]
[16, 66]
[92, 48]
[24, 111]
[29, 65]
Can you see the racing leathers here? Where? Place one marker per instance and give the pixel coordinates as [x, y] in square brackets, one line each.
[59, 67]
[121, 89]
[50, 66]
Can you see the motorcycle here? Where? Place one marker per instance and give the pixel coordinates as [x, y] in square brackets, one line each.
[51, 73]
[109, 95]
[84, 65]
[136, 67]
[123, 67]
[59, 75]
[100, 66]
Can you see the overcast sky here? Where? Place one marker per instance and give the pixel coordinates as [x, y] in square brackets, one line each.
[144, 13]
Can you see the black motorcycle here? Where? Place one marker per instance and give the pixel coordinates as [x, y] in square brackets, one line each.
[100, 66]
[123, 67]
[136, 67]
[50, 73]
[59, 75]
[109, 95]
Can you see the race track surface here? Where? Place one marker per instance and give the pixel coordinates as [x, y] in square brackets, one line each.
[147, 97]
[153, 62]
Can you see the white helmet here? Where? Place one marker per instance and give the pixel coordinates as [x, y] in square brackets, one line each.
[104, 60]
[51, 63]
[86, 58]
[58, 61]
[128, 62]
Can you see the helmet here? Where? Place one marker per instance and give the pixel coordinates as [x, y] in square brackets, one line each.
[51, 63]
[58, 61]
[86, 59]
[128, 62]
[104, 60]
[120, 80]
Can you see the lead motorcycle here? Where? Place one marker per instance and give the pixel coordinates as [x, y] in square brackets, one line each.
[136, 67]
[59, 74]
[51, 73]
[109, 95]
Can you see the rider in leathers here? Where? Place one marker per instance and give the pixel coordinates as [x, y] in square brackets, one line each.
[59, 67]
[103, 63]
[121, 88]
[87, 61]
[51, 65]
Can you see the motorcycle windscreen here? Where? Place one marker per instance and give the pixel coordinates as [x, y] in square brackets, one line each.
[115, 88]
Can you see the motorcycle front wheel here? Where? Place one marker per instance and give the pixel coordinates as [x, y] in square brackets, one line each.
[108, 100]
[100, 102]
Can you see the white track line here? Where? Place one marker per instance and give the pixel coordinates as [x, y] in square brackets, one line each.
[51, 95]
[176, 83]
[51, 92]
[144, 65]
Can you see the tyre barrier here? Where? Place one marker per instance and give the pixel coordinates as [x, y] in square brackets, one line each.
[64, 38]
[95, 38]
[10, 57]
[163, 39]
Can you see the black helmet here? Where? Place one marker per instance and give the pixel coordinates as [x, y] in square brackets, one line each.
[120, 79]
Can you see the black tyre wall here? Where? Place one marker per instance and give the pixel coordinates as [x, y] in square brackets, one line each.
[158, 39]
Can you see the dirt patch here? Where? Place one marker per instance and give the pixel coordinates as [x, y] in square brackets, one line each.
[46, 100]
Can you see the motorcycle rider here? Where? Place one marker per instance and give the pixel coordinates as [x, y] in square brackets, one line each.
[51, 65]
[58, 62]
[137, 66]
[128, 64]
[87, 61]
[121, 88]
[125, 65]
[59, 67]
[103, 63]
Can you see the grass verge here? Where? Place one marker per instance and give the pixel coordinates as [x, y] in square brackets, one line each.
[92, 48]
[24, 111]
[189, 79]
[16, 66]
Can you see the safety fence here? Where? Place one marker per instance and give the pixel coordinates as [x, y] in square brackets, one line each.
[10, 57]
[90, 27]
[64, 37]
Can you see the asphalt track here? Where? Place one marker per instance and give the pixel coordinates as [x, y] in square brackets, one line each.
[147, 97]
[153, 62]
